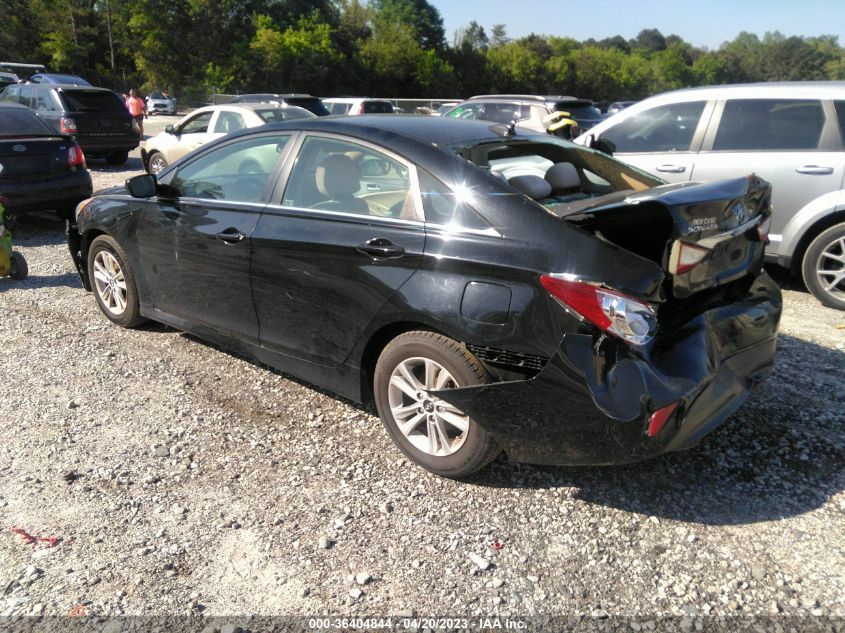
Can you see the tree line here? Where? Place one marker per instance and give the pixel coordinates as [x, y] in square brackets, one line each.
[396, 48]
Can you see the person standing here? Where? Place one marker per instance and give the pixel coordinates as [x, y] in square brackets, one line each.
[137, 108]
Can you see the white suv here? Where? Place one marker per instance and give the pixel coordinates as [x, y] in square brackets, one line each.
[792, 134]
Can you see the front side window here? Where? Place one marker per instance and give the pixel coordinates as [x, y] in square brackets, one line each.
[467, 111]
[198, 124]
[769, 124]
[236, 171]
[666, 128]
[335, 175]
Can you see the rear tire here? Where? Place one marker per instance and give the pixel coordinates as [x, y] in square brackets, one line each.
[823, 267]
[117, 158]
[432, 433]
[113, 282]
[18, 267]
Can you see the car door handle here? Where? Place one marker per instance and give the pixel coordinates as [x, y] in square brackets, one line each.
[381, 248]
[371, 187]
[814, 169]
[231, 235]
[671, 169]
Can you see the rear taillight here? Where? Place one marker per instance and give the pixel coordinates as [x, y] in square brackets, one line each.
[75, 156]
[68, 126]
[684, 257]
[611, 311]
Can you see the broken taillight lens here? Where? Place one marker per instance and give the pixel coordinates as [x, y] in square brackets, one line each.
[763, 229]
[611, 311]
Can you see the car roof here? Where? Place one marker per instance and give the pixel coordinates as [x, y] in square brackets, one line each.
[12, 106]
[538, 98]
[420, 128]
[809, 89]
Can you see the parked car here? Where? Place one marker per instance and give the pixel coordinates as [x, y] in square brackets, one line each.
[358, 105]
[789, 133]
[209, 123]
[589, 316]
[7, 79]
[310, 103]
[96, 117]
[56, 78]
[618, 106]
[40, 170]
[160, 103]
[530, 112]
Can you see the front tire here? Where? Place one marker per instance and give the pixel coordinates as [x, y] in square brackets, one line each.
[113, 282]
[156, 163]
[823, 267]
[432, 433]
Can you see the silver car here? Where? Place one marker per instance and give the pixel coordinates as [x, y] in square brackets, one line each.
[792, 134]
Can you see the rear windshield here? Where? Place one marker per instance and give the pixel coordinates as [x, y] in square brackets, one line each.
[20, 122]
[284, 114]
[378, 107]
[92, 101]
[312, 104]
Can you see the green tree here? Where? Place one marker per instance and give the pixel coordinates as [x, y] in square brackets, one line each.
[423, 19]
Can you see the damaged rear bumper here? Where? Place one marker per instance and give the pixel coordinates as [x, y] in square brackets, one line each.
[583, 409]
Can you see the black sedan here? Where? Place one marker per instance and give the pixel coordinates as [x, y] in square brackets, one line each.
[39, 169]
[486, 291]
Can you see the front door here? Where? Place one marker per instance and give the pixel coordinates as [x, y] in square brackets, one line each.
[196, 244]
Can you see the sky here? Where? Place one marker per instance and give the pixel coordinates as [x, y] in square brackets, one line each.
[701, 23]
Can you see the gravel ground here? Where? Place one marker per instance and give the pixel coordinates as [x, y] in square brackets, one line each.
[180, 479]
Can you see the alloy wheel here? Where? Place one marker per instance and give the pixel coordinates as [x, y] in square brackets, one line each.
[430, 424]
[830, 268]
[157, 163]
[110, 282]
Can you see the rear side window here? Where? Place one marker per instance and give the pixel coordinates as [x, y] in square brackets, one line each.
[503, 112]
[446, 207]
[340, 108]
[92, 101]
[378, 107]
[46, 103]
[26, 95]
[666, 128]
[228, 122]
[770, 124]
[840, 114]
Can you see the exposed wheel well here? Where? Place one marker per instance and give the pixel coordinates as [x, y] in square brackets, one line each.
[87, 238]
[812, 233]
[373, 350]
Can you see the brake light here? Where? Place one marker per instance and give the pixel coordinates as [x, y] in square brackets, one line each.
[67, 126]
[685, 257]
[659, 418]
[611, 311]
[75, 156]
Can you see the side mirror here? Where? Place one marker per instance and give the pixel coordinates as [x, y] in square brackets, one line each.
[143, 186]
[600, 144]
[170, 129]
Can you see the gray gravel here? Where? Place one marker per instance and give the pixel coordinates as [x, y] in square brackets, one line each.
[180, 479]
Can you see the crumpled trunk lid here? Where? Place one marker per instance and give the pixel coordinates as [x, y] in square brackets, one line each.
[702, 235]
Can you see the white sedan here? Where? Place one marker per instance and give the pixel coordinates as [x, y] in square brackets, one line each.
[207, 124]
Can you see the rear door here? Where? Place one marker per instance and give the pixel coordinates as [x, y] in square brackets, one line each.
[662, 140]
[325, 260]
[196, 245]
[792, 143]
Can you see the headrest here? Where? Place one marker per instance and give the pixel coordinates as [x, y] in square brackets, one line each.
[337, 176]
[532, 186]
[563, 176]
